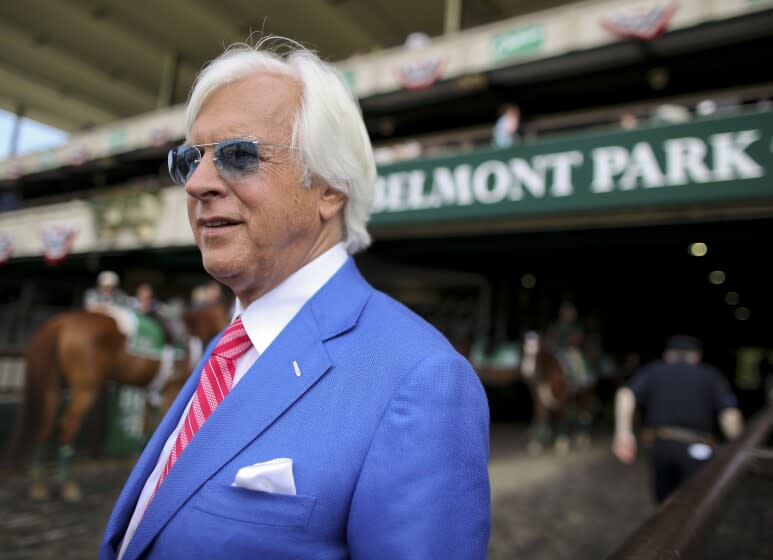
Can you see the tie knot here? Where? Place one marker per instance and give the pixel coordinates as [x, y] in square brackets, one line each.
[234, 341]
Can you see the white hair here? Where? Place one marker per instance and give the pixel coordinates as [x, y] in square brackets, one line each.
[329, 135]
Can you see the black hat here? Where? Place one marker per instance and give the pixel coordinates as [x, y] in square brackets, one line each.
[684, 342]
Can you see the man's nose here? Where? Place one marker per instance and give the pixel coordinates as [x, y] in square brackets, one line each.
[205, 180]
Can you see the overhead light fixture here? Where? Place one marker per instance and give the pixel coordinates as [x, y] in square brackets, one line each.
[658, 78]
[698, 249]
[732, 298]
[742, 313]
[717, 277]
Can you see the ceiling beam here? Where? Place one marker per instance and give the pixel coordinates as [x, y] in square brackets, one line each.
[53, 65]
[165, 25]
[39, 99]
[95, 42]
[387, 27]
[315, 23]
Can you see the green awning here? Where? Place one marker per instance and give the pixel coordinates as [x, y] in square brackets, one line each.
[708, 160]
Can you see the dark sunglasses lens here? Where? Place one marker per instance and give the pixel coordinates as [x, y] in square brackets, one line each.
[237, 158]
[182, 162]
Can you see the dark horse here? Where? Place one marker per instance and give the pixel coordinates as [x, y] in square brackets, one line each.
[559, 404]
[563, 399]
[82, 350]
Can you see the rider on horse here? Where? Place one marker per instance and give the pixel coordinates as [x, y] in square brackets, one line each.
[106, 292]
[566, 336]
[144, 323]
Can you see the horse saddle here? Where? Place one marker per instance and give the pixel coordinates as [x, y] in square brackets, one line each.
[148, 337]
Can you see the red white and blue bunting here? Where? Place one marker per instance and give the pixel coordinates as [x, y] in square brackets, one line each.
[57, 242]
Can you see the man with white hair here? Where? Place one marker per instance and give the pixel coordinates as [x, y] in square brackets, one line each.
[328, 421]
[683, 399]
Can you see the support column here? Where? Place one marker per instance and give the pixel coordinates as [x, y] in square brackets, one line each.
[13, 145]
[453, 16]
[166, 91]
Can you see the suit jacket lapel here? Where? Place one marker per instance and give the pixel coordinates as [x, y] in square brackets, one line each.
[271, 386]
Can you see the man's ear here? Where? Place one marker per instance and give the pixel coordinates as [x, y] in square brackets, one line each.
[331, 200]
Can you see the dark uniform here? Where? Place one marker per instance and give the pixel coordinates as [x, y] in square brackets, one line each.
[681, 403]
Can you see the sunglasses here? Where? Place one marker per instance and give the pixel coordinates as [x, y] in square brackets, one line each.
[234, 159]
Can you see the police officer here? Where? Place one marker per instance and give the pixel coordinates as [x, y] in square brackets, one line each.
[682, 399]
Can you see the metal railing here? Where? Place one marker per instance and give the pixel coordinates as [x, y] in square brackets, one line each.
[686, 526]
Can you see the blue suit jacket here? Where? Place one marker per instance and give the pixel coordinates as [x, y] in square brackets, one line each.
[387, 426]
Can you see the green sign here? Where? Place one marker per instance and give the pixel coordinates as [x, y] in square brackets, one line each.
[119, 139]
[126, 421]
[707, 160]
[517, 42]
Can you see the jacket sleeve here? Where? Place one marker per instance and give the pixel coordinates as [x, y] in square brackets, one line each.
[424, 488]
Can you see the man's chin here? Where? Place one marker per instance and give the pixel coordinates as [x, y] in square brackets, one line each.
[220, 269]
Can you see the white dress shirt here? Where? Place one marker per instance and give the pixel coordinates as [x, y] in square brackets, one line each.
[263, 320]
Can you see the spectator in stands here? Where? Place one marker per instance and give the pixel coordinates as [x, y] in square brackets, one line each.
[345, 425]
[629, 120]
[106, 292]
[683, 399]
[508, 125]
[670, 113]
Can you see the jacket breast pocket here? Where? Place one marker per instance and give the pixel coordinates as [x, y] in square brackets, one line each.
[251, 506]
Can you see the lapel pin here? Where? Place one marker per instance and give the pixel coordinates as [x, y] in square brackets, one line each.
[297, 369]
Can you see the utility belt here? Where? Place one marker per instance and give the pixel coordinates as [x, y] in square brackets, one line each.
[684, 435]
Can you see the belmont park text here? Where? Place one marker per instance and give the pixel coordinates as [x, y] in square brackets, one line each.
[672, 163]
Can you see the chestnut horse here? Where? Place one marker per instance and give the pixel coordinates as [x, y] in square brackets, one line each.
[82, 350]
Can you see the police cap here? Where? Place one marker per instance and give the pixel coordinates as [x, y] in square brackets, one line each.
[684, 342]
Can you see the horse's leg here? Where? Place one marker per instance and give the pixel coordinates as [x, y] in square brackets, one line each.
[561, 444]
[539, 432]
[563, 402]
[38, 487]
[85, 364]
[585, 402]
[81, 401]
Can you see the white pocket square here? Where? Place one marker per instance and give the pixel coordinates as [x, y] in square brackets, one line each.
[274, 476]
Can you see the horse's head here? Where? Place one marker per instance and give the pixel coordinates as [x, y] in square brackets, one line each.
[207, 320]
[531, 348]
[531, 343]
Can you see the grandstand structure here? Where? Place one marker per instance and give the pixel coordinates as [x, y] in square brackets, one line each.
[485, 242]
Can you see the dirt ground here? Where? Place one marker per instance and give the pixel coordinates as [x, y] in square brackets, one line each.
[578, 506]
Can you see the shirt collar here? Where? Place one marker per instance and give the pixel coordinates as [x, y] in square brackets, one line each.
[265, 317]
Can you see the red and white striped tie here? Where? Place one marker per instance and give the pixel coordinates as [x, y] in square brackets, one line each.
[215, 383]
